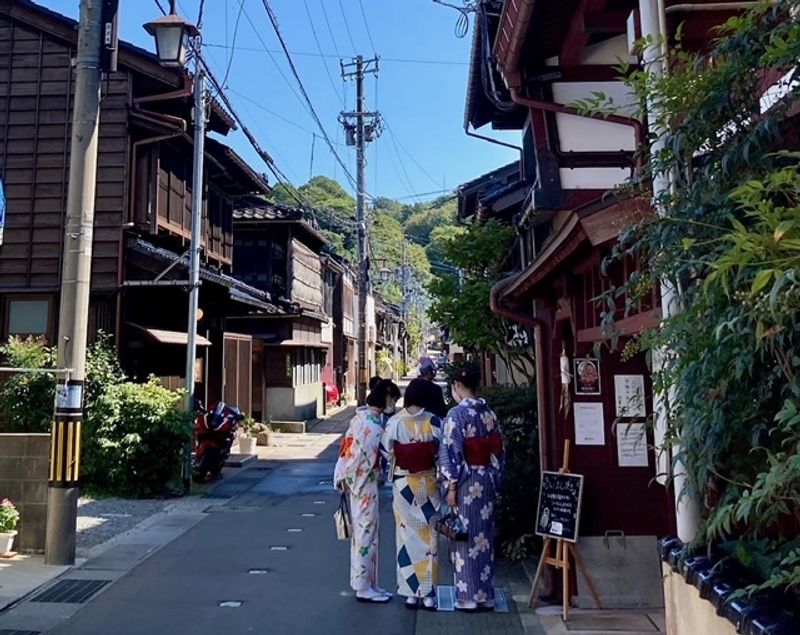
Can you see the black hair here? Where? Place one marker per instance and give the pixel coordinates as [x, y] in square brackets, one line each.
[416, 393]
[469, 376]
[380, 392]
[374, 381]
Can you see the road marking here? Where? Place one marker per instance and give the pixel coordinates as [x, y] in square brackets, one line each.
[231, 604]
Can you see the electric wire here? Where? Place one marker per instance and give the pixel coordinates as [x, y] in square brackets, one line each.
[366, 24]
[410, 155]
[233, 42]
[398, 60]
[274, 22]
[319, 48]
[199, 22]
[347, 28]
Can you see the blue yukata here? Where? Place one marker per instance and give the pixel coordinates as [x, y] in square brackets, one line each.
[471, 454]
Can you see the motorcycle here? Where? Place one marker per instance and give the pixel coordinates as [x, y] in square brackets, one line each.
[214, 433]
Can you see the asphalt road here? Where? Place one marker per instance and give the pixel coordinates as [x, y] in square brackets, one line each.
[305, 588]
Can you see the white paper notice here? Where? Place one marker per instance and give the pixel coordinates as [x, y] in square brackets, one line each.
[631, 445]
[589, 424]
[629, 395]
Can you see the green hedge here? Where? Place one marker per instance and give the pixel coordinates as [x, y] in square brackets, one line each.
[133, 434]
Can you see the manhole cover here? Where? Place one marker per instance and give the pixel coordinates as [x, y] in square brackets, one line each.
[70, 591]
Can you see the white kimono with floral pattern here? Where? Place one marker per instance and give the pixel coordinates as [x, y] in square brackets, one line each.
[358, 468]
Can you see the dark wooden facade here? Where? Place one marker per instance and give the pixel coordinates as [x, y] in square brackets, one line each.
[277, 249]
[142, 205]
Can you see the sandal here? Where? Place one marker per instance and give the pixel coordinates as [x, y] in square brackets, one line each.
[429, 603]
[411, 604]
[370, 595]
[468, 606]
[487, 606]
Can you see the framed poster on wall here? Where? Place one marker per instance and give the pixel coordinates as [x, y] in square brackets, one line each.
[587, 376]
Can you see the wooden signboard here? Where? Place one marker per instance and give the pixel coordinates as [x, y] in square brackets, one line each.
[557, 520]
[559, 509]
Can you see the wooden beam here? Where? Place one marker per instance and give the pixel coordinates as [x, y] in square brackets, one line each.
[606, 21]
[577, 36]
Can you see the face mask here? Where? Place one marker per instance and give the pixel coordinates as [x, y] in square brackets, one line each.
[456, 396]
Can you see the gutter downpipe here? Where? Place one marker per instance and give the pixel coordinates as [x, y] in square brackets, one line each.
[564, 109]
[546, 431]
[687, 509]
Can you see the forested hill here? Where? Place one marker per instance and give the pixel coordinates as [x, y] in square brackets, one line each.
[425, 225]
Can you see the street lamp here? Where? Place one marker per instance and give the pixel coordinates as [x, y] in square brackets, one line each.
[172, 34]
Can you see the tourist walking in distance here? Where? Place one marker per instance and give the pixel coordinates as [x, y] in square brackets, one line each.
[471, 460]
[411, 444]
[433, 398]
[357, 472]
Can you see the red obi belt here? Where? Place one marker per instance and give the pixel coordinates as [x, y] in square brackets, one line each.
[479, 450]
[415, 457]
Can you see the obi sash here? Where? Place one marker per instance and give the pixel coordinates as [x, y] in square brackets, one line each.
[415, 457]
[478, 451]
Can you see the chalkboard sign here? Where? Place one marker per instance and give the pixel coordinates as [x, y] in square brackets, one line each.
[559, 505]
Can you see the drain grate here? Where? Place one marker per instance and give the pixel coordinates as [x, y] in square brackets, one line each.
[70, 591]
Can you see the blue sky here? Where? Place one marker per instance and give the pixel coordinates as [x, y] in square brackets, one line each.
[423, 103]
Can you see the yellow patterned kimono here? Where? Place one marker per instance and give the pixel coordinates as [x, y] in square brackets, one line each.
[358, 468]
[416, 504]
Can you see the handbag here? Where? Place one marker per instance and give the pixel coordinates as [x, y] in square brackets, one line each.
[451, 526]
[343, 520]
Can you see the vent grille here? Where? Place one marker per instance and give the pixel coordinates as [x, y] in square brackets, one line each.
[70, 591]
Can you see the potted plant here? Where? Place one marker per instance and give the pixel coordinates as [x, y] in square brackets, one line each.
[247, 442]
[9, 517]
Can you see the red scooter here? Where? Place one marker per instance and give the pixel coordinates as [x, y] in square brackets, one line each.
[214, 433]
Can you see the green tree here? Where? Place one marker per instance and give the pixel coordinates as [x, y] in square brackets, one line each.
[461, 303]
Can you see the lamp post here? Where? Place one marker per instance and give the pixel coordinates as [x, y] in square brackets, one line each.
[173, 36]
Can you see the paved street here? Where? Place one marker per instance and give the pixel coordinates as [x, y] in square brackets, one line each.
[231, 556]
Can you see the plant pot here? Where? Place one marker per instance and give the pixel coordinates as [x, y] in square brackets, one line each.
[247, 445]
[7, 541]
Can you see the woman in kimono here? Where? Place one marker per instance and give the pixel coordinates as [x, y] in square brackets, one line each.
[357, 472]
[411, 444]
[471, 460]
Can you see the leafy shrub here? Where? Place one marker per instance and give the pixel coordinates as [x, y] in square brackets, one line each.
[134, 437]
[9, 516]
[516, 507]
[26, 399]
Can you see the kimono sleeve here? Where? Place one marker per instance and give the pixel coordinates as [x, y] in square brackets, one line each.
[451, 450]
[389, 437]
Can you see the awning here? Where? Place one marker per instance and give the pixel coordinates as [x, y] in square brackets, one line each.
[297, 343]
[163, 336]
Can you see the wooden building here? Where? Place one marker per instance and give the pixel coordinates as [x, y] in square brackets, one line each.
[278, 250]
[548, 55]
[143, 206]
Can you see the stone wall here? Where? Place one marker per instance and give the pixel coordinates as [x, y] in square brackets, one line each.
[24, 462]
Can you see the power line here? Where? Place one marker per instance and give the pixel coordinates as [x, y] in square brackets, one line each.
[410, 188]
[366, 24]
[274, 22]
[347, 27]
[398, 60]
[200, 14]
[411, 156]
[233, 42]
[319, 48]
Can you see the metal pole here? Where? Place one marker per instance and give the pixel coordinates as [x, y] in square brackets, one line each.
[194, 251]
[62, 495]
[363, 269]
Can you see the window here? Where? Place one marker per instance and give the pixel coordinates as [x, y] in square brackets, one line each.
[28, 316]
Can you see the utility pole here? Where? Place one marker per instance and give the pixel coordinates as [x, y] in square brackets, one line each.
[62, 496]
[366, 128]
